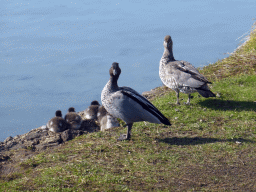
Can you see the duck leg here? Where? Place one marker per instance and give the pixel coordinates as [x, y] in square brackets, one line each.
[188, 101]
[128, 135]
[177, 95]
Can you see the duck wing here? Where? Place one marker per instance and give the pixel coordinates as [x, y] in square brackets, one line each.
[185, 74]
[144, 103]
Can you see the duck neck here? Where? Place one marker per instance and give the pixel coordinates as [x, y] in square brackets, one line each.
[168, 54]
[113, 83]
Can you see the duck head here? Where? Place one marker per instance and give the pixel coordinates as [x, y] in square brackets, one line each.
[58, 113]
[115, 70]
[167, 42]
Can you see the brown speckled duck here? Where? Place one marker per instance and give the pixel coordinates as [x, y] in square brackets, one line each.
[181, 76]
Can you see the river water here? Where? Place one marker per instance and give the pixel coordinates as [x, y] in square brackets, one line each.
[56, 54]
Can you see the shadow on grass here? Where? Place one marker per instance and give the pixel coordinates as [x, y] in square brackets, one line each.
[224, 105]
[200, 140]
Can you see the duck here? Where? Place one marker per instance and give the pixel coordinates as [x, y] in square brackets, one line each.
[73, 119]
[127, 104]
[92, 110]
[57, 123]
[181, 76]
[106, 120]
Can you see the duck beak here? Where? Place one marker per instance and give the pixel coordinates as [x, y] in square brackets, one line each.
[165, 44]
[114, 72]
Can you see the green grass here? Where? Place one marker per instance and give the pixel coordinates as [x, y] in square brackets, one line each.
[209, 147]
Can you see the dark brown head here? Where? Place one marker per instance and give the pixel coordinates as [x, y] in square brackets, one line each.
[115, 71]
[168, 41]
[95, 102]
[71, 109]
[58, 113]
[101, 113]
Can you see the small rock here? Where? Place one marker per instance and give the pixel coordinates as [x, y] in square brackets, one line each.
[16, 137]
[52, 139]
[176, 117]
[34, 135]
[18, 146]
[43, 127]
[196, 125]
[10, 144]
[238, 142]
[8, 139]
[4, 157]
[45, 146]
[218, 95]
[145, 123]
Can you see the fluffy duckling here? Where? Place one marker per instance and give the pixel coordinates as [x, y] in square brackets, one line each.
[92, 110]
[106, 120]
[57, 123]
[73, 119]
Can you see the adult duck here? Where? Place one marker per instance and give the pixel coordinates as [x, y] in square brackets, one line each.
[181, 76]
[127, 104]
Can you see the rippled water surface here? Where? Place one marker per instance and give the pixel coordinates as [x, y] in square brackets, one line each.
[56, 54]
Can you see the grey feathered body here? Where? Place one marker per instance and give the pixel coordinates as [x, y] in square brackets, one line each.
[120, 105]
[128, 105]
[181, 76]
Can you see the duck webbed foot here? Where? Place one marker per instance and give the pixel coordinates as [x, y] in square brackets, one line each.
[128, 135]
[123, 137]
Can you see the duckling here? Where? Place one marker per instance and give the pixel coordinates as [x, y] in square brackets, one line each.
[57, 123]
[92, 110]
[73, 119]
[106, 120]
